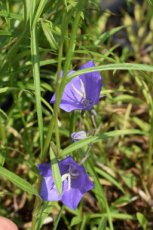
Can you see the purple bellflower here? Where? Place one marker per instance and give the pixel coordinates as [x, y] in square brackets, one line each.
[77, 136]
[82, 92]
[75, 182]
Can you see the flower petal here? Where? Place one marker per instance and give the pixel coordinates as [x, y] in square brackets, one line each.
[82, 182]
[71, 198]
[92, 83]
[87, 65]
[71, 95]
[76, 182]
[82, 92]
[76, 136]
[45, 169]
[48, 191]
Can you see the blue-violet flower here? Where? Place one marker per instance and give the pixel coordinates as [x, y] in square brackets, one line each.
[77, 136]
[75, 182]
[82, 92]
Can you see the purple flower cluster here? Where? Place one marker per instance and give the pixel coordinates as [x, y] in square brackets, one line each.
[81, 93]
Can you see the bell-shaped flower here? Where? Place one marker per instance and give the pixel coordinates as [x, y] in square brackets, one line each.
[77, 136]
[75, 182]
[82, 92]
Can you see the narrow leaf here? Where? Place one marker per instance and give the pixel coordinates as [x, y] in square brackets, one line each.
[94, 139]
[120, 66]
[18, 181]
[55, 170]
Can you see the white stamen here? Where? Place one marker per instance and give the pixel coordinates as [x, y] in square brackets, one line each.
[83, 92]
[68, 177]
[64, 177]
[83, 88]
[77, 91]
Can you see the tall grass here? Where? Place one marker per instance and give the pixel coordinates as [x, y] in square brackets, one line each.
[38, 39]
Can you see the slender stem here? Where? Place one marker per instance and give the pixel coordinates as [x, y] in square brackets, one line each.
[36, 75]
[3, 142]
[36, 208]
[62, 81]
[8, 11]
[150, 153]
[60, 55]
[72, 122]
[59, 89]
[54, 119]
[58, 218]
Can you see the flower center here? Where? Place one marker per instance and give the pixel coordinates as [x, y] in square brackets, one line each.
[72, 173]
[86, 102]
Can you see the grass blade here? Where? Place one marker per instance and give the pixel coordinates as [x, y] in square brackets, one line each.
[18, 181]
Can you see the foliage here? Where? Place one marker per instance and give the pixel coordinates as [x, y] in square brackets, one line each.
[40, 38]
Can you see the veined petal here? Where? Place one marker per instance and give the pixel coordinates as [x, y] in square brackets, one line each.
[48, 191]
[82, 182]
[82, 92]
[92, 83]
[75, 182]
[71, 198]
[45, 169]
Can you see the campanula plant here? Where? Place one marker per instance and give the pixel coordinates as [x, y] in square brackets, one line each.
[75, 182]
[82, 92]
[41, 42]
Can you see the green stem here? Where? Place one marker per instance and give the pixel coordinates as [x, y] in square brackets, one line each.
[72, 122]
[58, 218]
[59, 89]
[150, 154]
[62, 81]
[60, 55]
[36, 75]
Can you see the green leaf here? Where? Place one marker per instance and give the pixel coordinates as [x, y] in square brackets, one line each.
[109, 178]
[142, 220]
[38, 12]
[10, 15]
[76, 220]
[7, 89]
[45, 210]
[126, 98]
[5, 33]
[3, 114]
[55, 170]
[48, 31]
[36, 76]
[120, 66]
[108, 34]
[129, 179]
[94, 139]
[78, 145]
[114, 215]
[122, 201]
[18, 181]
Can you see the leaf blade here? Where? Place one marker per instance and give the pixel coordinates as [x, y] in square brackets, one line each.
[18, 181]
